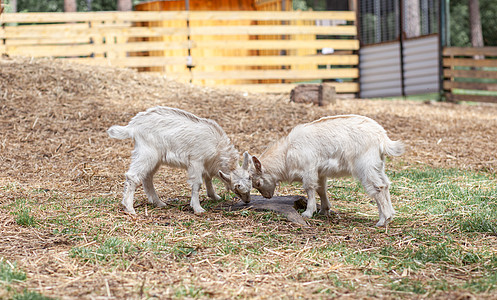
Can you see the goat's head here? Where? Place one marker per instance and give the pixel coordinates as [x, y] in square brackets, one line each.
[262, 181]
[239, 180]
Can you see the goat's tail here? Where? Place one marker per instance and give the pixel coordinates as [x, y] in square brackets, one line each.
[394, 148]
[119, 132]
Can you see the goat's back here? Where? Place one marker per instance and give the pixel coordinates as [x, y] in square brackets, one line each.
[177, 135]
[345, 136]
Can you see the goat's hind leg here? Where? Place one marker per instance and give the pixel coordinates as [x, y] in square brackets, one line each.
[384, 198]
[377, 187]
[148, 187]
[141, 167]
[385, 206]
[129, 191]
[370, 170]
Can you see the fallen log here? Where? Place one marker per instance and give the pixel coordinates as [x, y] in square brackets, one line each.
[284, 205]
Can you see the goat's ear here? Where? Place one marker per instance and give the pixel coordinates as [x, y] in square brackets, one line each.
[224, 177]
[257, 164]
[246, 160]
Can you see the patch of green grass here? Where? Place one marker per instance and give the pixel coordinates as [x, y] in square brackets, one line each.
[113, 250]
[443, 253]
[448, 252]
[251, 264]
[29, 295]
[16, 205]
[340, 283]
[24, 217]
[66, 225]
[9, 275]
[270, 239]
[229, 247]
[188, 223]
[409, 285]
[346, 189]
[100, 201]
[479, 222]
[474, 92]
[9, 272]
[419, 97]
[40, 191]
[467, 199]
[181, 250]
[189, 292]
[483, 283]
[270, 216]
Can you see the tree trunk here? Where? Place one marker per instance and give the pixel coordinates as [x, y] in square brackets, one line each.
[70, 6]
[475, 23]
[88, 5]
[12, 5]
[412, 18]
[124, 5]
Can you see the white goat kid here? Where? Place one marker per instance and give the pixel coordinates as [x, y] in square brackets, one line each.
[330, 147]
[177, 138]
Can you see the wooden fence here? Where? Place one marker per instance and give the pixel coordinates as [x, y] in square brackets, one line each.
[238, 48]
[470, 74]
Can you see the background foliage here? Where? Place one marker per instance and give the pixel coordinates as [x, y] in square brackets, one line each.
[58, 5]
[459, 23]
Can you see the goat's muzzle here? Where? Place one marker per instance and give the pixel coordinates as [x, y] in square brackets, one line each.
[244, 196]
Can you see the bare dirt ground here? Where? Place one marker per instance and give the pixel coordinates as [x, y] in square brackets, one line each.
[53, 121]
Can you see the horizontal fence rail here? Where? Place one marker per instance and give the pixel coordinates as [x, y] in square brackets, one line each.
[267, 51]
[470, 74]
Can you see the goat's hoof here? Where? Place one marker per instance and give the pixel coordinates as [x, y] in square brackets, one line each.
[215, 197]
[325, 212]
[383, 222]
[199, 211]
[159, 203]
[307, 214]
[129, 211]
[330, 213]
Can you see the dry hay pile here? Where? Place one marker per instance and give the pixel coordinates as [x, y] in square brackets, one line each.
[54, 116]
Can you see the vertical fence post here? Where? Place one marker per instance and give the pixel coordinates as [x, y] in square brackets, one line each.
[441, 44]
[401, 48]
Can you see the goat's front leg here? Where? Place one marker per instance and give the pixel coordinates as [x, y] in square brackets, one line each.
[211, 192]
[325, 203]
[195, 180]
[309, 185]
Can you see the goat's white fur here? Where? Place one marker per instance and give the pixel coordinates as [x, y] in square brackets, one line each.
[177, 138]
[330, 147]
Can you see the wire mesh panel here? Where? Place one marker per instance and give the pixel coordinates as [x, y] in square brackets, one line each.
[380, 20]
